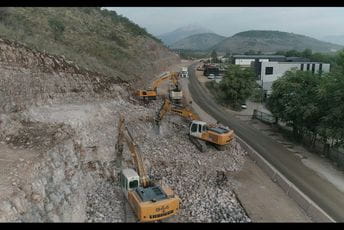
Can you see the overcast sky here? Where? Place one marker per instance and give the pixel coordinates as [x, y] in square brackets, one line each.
[312, 21]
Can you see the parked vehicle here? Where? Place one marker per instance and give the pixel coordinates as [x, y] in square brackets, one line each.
[211, 76]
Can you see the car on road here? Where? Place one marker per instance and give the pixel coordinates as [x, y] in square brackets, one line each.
[243, 106]
[211, 76]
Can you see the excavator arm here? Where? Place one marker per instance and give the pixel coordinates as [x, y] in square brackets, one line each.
[124, 133]
[152, 93]
[157, 82]
[181, 111]
[165, 108]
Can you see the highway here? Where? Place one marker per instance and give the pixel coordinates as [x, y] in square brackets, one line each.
[321, 191]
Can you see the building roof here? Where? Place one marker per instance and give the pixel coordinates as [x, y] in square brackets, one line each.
[257, 56]
[297, 59]
[297, 62]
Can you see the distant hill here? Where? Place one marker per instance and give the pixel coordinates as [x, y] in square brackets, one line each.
[271, 41]
[198, 41]
[337, 39]
[183, 32]
[98, 40]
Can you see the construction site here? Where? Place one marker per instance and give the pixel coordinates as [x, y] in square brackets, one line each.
[101, 121]
[60, 152]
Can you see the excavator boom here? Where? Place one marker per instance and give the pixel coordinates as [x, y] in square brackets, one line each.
[181, 111]
[149, 201]
[124, 134]
[153, 93]
[137, 158]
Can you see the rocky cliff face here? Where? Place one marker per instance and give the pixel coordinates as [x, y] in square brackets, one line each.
[29, 77]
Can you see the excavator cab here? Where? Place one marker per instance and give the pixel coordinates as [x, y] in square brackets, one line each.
[197, 128]
[129, 180]
[218, 136]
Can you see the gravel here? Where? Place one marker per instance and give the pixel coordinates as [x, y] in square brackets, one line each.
[201, 180]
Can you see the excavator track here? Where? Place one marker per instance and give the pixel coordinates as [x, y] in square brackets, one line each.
[220, 147]
[200, 145]
[129, 215]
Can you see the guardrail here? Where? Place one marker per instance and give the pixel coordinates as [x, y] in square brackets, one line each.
[311, 208]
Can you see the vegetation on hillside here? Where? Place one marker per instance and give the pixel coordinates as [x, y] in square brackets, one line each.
[94, 38]
[191, 54]
[266, 41]
[202, 41]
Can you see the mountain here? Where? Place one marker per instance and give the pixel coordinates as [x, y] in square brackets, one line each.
[183, 32]
[198, 41]
[93, 38]
[338, 39]
[268, 41]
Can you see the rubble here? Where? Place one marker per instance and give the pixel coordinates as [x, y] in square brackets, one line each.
[202, 180]
[82, 172]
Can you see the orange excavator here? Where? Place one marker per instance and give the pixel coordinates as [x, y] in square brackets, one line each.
[150, 201]
[200, 132]
[168, 106]
[175, 92]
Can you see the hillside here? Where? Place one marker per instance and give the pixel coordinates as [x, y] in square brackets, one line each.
[271, 41]
[95, 39]
[338, 39]
[183, 32]
[198, 41]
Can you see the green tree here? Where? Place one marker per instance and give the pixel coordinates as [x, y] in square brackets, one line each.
[331, 96]
[292, 53]
[236, 86]
[307, 53]
[294, 101]
[57, 26]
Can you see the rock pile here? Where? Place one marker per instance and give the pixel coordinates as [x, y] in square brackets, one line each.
[78, 169]
[202, 180]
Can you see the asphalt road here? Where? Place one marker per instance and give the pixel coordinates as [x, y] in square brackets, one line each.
[322, 192]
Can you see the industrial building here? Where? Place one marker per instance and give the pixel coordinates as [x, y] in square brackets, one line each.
[245, 60]
[267, 72]
[269, 68]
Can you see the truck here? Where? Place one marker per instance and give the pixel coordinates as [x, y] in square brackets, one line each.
[211, 69]
[184, 72]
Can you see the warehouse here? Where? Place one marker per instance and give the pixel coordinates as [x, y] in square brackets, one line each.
[245, 60]
[268, 72]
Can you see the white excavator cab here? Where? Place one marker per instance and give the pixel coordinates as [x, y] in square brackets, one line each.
[129, 180]
[197, 128]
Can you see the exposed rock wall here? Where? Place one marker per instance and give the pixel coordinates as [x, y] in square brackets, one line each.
[29, 77]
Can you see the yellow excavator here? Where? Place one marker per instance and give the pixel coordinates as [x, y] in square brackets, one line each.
[200, 132]
[168, 106]
[150, 202]
[175, 92]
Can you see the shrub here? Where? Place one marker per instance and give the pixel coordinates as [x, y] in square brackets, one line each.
[57, 27]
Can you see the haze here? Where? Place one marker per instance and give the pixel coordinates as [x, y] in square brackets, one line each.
[316, 22]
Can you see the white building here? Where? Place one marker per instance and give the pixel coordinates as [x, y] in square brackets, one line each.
[268, 72]
[246, 60]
